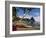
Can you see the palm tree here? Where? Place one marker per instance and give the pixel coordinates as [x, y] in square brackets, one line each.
[27, 11]
[14, 13]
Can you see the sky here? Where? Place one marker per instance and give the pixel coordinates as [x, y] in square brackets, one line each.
[33, 12]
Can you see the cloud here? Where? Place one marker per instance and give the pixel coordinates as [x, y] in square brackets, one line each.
[29, 17]
[37, 18]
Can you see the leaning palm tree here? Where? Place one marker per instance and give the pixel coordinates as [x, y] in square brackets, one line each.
[27, 11]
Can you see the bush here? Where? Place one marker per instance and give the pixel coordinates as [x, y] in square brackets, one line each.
[13, 18]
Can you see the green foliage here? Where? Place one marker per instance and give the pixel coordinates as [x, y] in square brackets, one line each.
[13, 18]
